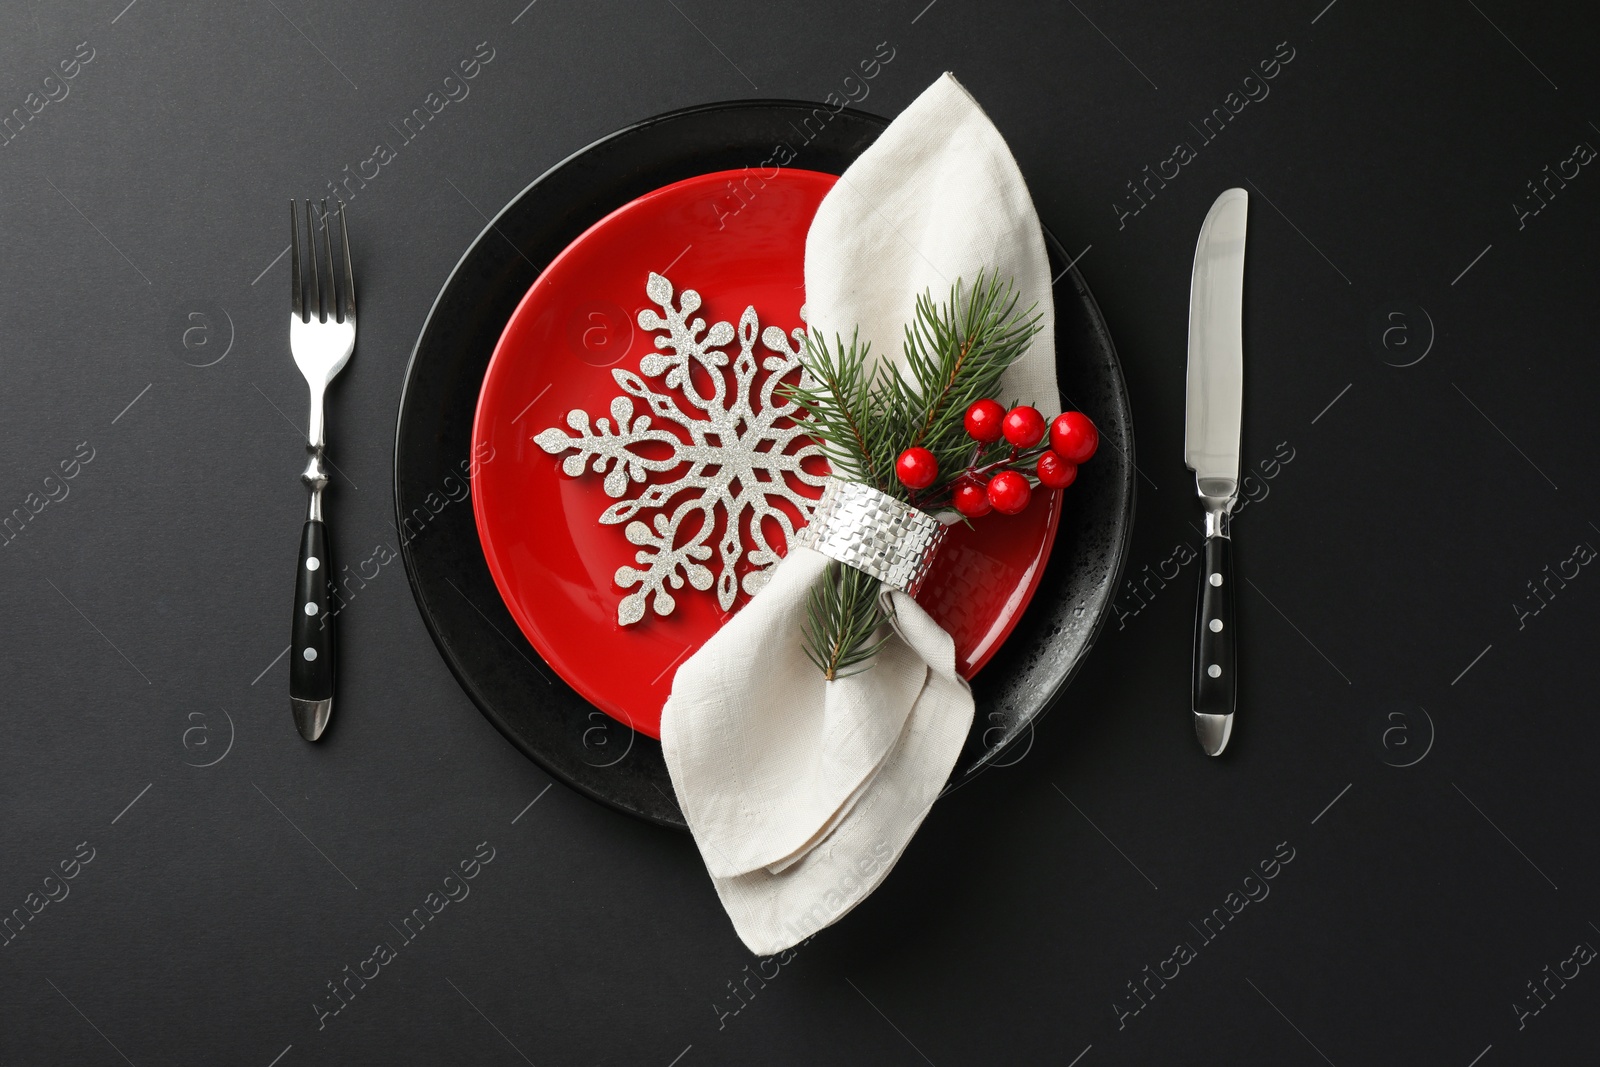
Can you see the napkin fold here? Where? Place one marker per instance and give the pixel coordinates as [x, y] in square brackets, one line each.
[802, 793]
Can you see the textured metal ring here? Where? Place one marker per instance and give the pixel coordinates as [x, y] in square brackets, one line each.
[874, 533]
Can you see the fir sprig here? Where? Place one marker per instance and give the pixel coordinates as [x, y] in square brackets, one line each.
[865, 416]
[956, 353]
[839, 395]
[843, 613]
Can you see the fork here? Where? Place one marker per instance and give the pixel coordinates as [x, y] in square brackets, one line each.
[322, 334]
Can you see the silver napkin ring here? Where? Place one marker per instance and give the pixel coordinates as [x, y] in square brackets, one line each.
[874, 533]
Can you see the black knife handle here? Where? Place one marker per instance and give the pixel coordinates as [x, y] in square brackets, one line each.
[312, 660]
[1214, 675]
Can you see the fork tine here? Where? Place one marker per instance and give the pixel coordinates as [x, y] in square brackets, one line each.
[349, 272]
[316, 275]
[333, 278]
[297, 302]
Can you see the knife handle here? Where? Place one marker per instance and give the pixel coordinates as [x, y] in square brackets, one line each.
[1214, 674]
[312, 660]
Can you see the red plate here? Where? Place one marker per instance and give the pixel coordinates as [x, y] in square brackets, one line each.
[554, 562]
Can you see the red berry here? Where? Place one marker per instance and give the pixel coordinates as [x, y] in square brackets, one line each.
[1009, 492]
[983, 421]
[971, 500]
[1024, 426]
[1055, 472]
[1074, 436]
[916, 468]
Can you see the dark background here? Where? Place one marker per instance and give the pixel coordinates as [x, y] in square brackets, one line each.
[1422, 744]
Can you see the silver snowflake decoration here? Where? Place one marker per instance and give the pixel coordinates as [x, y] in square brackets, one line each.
[725, 456]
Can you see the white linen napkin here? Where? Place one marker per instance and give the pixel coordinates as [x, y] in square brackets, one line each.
[802, 793]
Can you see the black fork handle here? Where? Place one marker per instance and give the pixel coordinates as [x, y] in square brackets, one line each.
[313, 661]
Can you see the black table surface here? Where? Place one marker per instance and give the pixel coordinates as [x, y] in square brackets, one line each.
[1388, 866]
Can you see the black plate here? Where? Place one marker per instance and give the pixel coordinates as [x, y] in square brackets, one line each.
[496, 665]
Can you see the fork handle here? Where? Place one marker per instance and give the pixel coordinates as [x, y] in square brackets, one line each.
[312, 646]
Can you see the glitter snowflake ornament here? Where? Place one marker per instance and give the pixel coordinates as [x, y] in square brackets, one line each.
[732, 458]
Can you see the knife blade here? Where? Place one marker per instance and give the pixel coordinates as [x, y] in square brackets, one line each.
[1213, 409]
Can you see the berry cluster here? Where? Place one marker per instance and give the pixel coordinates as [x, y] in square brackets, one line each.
[1003, 484]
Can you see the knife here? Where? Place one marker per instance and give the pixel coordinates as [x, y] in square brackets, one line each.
[1211, 449]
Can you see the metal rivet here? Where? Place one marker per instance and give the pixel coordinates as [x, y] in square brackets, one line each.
[312, 563]
[1213, 670]
[311, 609]
[1216, 579]
[311, 654]
[1216, 624]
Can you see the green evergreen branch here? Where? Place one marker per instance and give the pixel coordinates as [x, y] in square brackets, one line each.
[843, 613]
[837, 395]
[955, 353]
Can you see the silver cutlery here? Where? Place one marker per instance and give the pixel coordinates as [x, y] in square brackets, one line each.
[1211, 449]
[322, 334]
